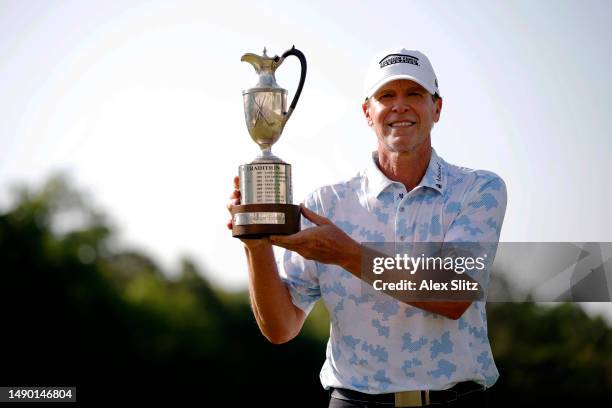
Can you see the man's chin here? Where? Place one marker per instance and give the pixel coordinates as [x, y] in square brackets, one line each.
[403, 143]
[402, 149]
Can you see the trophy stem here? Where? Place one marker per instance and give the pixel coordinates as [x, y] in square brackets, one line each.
[267, 156]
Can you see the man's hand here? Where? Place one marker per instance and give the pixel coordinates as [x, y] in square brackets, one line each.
[325, 243]
[235, 200]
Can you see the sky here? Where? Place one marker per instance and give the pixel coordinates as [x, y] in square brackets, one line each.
[140, 103]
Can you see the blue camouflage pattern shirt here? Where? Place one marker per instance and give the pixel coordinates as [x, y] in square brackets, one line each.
[378, 344]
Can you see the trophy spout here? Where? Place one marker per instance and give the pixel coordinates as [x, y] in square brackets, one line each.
[265, 67]
[253, 59]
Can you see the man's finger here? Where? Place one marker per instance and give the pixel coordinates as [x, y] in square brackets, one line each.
[280, 240]
[313, 216]
[236, 183]
[287, 241]
[233, 202]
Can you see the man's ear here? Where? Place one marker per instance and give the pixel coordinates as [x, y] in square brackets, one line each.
[366, 112]
[437, 109]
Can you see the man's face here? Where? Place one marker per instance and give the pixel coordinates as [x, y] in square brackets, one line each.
[402, 114]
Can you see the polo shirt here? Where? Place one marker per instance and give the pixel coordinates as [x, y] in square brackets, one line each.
[378, 344]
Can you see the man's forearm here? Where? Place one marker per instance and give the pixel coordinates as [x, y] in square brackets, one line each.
[277, 317]
[328, 244]
[352, 262]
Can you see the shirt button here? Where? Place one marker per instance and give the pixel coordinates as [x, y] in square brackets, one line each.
[401, 209]
[402, 238]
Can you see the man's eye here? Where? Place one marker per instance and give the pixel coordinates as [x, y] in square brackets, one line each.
[386, 95]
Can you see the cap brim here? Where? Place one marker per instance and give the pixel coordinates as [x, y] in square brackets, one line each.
[386, 80]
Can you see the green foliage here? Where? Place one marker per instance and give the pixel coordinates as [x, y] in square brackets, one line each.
[82, 311]
[558, 352]
[85, 314]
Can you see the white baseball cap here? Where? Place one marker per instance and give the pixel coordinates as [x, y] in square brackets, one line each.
[400, 63]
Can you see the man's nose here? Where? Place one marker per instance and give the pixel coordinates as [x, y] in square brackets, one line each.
[401, 106]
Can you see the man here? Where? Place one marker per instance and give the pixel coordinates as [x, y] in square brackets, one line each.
[382, 350]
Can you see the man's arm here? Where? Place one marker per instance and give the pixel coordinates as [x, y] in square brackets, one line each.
[328, 244]
[480, 220]
[277, 317]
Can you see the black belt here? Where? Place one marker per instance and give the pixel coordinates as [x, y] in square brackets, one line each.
[415, 398]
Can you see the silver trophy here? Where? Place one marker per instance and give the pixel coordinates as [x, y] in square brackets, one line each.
[265, 184]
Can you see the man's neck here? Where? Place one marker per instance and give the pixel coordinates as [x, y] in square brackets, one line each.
[407, 168]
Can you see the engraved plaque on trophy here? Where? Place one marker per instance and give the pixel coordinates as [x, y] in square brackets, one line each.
[266, 206]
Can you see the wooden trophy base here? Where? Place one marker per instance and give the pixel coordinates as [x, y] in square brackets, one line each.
[262, 220]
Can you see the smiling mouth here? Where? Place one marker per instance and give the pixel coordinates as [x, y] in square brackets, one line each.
[402, 124]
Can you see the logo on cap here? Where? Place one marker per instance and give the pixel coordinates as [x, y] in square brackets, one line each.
[398, 58]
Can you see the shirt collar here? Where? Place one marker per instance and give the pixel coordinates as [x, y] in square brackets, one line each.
[377, 182]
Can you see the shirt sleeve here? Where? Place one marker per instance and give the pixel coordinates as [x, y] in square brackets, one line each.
[299, 274]
[482, 212]
[476, 229]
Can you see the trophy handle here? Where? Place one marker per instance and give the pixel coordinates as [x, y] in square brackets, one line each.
[295, 52]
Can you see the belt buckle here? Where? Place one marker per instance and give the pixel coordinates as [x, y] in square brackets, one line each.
[411, 398]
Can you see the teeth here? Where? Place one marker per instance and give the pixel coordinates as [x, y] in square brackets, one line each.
[401, 124]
